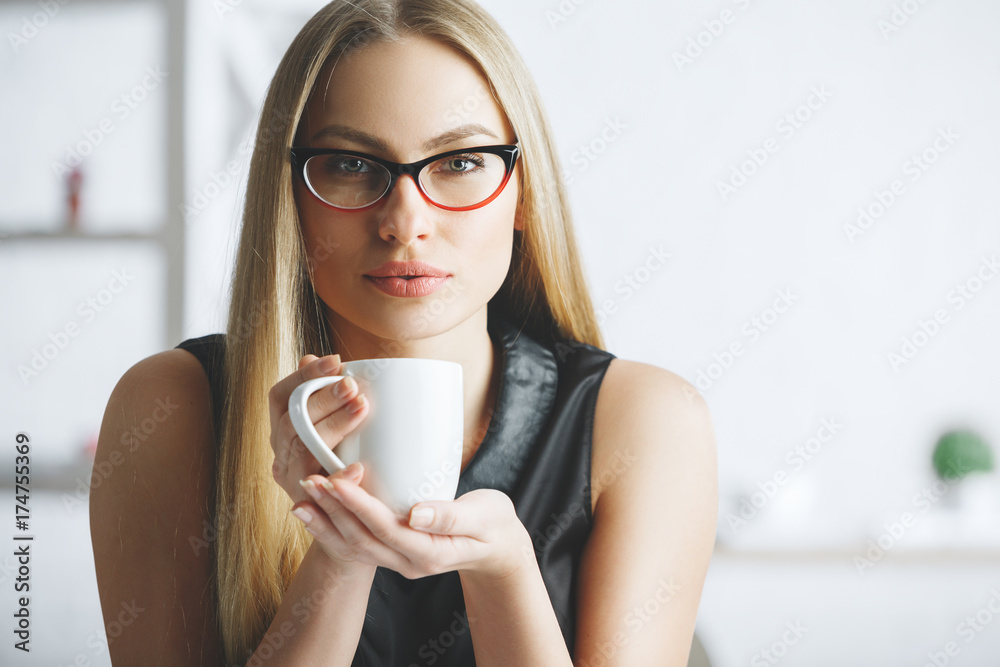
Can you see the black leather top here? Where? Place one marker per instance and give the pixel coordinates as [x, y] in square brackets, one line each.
[537, 451]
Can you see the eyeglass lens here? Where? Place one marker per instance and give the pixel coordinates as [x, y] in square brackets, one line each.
[348, 181]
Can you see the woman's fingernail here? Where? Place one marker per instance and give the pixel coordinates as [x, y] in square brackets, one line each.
[421, 517]
[358, 405]
[303, 514]
[329, 363]
[329, 487]
[354, 471]
[344, 387]
[310, 488]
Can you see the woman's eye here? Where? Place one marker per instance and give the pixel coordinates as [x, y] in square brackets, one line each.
[351, 165]
[463, 163]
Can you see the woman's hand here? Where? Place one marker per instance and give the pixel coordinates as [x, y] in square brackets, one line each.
[336, 410]
[477, 533]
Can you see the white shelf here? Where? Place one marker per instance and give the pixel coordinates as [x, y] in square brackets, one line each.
[79, 235]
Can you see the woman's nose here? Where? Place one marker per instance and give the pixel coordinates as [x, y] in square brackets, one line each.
[406, 215]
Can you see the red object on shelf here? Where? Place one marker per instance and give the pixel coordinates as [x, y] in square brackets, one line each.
[74, 183]
[90, 448]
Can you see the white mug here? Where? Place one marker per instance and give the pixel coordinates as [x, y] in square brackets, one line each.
[410, 442]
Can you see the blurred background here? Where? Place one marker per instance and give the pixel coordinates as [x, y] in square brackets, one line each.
[821, 178]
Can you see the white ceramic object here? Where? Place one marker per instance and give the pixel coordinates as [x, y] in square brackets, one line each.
[410, 442]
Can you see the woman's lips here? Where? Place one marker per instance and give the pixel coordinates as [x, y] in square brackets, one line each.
[407, 287]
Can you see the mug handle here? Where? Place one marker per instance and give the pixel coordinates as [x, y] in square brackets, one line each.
[299, 413]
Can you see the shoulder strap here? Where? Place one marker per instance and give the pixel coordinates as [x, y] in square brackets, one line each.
[210, 351]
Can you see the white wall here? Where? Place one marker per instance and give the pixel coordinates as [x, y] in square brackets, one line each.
[885, 97]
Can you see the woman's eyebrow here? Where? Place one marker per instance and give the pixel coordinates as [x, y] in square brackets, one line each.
[349, 133]
[371, 141]
[460, 132]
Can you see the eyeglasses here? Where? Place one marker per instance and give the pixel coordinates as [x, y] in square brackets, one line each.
[458, 180]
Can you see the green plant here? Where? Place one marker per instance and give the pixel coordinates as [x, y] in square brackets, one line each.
[960, 452]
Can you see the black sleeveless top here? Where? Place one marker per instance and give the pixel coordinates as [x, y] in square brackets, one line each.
[537, 450]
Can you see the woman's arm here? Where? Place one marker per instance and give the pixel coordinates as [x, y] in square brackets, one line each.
[511, 618]
[321, 615]
[150, 522]
[655, 480]
[152, 534]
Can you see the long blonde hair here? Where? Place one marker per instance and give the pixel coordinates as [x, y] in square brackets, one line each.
[275, 316]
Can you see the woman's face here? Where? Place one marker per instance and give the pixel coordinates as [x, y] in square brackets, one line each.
[405, 101]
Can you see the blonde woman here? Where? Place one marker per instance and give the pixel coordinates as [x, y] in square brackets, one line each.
[586, 510]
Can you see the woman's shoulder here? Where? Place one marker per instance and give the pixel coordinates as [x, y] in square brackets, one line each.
[171, 388]
[648, 419]
[158, 434]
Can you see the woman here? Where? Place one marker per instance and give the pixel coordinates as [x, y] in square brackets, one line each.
[586, 511]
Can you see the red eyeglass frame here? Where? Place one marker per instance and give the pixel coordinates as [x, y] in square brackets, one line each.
[509, 153]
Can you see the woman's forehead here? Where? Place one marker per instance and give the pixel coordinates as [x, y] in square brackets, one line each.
[405, 92]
